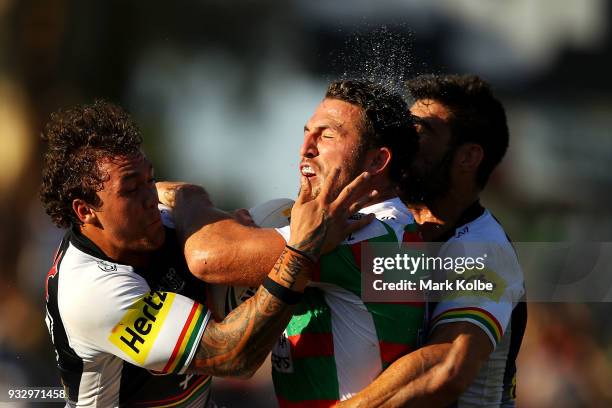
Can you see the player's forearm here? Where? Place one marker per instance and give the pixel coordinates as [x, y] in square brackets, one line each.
[218, 249]
[432, 376]
[238, 345]
[428, 377]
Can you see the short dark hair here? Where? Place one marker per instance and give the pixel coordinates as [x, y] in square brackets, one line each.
[386, 122]
[77, 139]
[476, 116]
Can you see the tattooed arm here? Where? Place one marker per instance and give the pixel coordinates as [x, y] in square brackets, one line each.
[239, 344]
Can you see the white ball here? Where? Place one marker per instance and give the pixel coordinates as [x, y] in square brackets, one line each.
[273, 214]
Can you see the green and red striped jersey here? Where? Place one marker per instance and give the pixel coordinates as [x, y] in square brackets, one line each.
[337, 343]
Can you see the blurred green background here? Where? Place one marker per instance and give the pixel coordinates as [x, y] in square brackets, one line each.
[221, 91]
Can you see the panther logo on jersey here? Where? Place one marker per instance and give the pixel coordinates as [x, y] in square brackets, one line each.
[172, 282]
[107, 266]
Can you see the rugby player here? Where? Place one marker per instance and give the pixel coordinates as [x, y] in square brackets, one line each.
[469, 358]
[125, 315]
[337, 343]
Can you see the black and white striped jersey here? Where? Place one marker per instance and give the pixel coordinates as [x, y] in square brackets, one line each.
[124, 336]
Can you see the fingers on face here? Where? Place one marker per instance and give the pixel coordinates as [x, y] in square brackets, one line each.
[328, 185]
[305, 190]
[356, 191]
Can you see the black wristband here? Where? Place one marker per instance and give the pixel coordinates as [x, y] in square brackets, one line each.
[290, 297]
[302, 253]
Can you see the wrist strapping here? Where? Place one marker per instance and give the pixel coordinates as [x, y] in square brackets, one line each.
[301, 253]
[288, 296]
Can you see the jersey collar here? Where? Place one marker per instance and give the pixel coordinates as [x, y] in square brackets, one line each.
[393, 207]
[471, 213]
[84, 244]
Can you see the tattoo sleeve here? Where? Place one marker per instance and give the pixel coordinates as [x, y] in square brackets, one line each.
[239, 344]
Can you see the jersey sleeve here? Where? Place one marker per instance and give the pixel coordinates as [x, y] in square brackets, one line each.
[490, 310]
[159, 331]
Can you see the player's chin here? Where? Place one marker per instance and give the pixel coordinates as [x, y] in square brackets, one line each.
[155, 239]
[315, 185]
[316, 190]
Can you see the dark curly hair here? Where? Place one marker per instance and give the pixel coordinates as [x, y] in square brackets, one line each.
[77, 139]
[386, 122]
[476, 116]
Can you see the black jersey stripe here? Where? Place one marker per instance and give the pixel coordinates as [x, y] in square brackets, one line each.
[518, 324]
[69, 363]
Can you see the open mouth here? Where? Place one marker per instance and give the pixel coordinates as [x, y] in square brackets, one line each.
[307, 170]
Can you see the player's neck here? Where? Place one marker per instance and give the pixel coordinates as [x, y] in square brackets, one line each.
[386, 191]
[120, 255]
[439, 216]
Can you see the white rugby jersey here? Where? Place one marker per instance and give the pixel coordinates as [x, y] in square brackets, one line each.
[501, 313]
[124, 336]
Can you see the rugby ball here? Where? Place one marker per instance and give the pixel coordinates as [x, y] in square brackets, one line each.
[222, 299]
[272, 214]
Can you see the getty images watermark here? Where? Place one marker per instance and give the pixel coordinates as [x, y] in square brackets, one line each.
[413, 264]
[548, 271]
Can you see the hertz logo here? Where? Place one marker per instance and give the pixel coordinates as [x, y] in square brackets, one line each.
[135, 334]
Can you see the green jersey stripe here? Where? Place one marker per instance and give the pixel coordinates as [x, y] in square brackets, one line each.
[363, 337]
[313, 378]
[396, 323]
[312, 315]
[342, 266]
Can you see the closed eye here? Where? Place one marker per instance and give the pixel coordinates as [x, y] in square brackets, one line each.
[420, 124]
[420, 129]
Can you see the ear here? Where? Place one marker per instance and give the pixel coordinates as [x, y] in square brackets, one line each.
[469, 156]
[84, 212]
[378, 160]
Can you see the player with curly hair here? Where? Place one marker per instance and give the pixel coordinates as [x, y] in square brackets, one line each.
[126, 316]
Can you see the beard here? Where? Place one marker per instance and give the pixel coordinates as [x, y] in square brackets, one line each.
[349, 171]
[429, 181]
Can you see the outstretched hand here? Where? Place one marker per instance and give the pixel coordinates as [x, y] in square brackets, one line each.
[322, 222]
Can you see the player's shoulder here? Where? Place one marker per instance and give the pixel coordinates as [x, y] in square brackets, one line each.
[91, 287]
[392, 217]
[484, 238]
[391, 211]
[485, 228]
[83, 269]
[483, 234]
